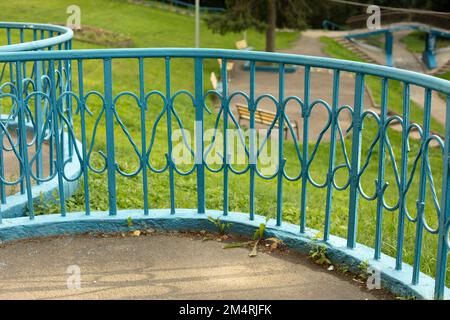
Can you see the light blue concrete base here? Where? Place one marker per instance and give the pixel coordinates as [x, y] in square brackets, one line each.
[399, 282]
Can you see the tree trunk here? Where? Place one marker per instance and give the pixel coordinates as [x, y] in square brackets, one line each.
[271, 25]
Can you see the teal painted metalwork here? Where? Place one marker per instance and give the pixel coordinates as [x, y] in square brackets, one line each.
[306, 109]
[199, 129]
[60, 118]
[331, 166]
[110, 152]
[355, 162]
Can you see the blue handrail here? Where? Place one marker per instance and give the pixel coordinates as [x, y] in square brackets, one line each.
[56, 121]
[190, 6]
[45, 36]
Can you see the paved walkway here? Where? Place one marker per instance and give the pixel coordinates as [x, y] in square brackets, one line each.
[164, 266]
[321, 83]
[321, 88]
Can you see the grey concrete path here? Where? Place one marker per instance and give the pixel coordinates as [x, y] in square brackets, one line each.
[164, 266]
[321, 87]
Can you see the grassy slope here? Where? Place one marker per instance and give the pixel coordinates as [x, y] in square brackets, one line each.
[415, 42]
[152, 28]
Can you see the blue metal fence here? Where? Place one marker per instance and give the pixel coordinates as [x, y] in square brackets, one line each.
[57, 119]
[17, 37]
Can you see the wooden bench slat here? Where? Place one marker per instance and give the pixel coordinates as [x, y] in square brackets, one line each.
[263, 117]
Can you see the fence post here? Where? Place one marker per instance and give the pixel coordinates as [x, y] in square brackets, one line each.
[199, 157]
[355, 161]
[109, 114]
[226, 114]
[305, 152]
[403, 177]
[59, 151]
[38, 117]
[169, 137]
[281, 160]
[22, 138]
[441, 263]
[332, 155]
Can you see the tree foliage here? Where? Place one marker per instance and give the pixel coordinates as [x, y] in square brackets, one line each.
[244, 14]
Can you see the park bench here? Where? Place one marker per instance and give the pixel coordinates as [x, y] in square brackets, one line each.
[216, 84]
[264, 117]
[242, 45]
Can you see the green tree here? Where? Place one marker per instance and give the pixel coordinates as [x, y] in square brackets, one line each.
[264, 15]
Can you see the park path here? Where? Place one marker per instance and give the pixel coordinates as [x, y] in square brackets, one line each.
[321, 88]
[164, 266]
[321, 82]
[405, 59]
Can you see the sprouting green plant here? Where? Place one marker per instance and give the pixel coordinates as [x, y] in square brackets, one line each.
[363, 266]
[129, 222]
[45, 204]
[343, 269]
[259, 233]
[221, 226]
[319, 254]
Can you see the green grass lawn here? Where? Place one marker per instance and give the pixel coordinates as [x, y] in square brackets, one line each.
[149, 27]
[415, 41]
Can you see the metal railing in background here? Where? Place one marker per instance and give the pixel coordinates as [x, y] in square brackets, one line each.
[352, 164]
[22, 37]
[190, 6]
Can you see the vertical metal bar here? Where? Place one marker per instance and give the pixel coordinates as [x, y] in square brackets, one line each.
[422, 188]
[83, 137]
[143, 109]
[22, 146]
[51, 142]
[68, 87]
[11, 64]
[169, 137]
[60, 85]
[109, 114]
[22, 40]
[381, 168]
[226, 110]
[355, 161]
[58, 150]
[305, 116]
[2, 169]
[38, 117]
[442, 252]
[334, 122]
[403, 178]
[281, 159]
[23, 140]
[199, 143]
[253, 158]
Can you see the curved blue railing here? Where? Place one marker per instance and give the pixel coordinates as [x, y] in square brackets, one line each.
[34, 36]
[23, 37]
[345, 174]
